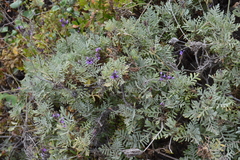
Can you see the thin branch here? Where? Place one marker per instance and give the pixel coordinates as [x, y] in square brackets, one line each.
[177, 22]
[169, 145]
[154, 137]
[143, 11]
[123, 96]
[236, 99]
[165, 155]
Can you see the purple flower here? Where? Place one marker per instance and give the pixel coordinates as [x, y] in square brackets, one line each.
[62, 120]
[98, 56]
[181, 53]
[19, 27]
[44, 150]
[165, 77]
[64, 22]
[169, 77]
[114, 75]
[162, 104]
[56, 115]
[89, 60]
[98, 49]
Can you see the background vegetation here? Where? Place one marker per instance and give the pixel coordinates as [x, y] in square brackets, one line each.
[119, 79]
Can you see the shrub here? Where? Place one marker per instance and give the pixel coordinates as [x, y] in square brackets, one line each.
[124, 85]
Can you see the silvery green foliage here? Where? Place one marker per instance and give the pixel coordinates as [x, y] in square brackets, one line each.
[120, 100]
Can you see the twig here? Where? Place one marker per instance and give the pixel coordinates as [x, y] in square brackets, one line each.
[236, 99]
[154, 137]
[143, 11]
[165, 155]
[169, 145]
[123, 96]
[6, 136]
[228, 7]
[13, 90]
[177, 21]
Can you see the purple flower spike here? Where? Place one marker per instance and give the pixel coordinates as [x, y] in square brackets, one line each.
[114, 75]
[98, 56]
[44, 150]
[19, 27]
[89, 60]
[56, 115]
[161, 79]
[181, 53]
[63, 122]
[98, 49]
[169, 77]
[64, 22]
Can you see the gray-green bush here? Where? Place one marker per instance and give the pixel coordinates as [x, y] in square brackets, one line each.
[115, 89]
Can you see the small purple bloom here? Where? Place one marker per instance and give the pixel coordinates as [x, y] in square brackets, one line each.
[98, 49]
[169, 77]
[44, 150]
[161, 79]
[56, 115]
[165, 77]
[98, 56]
[62, 120]
[64, 22]
[19, 27]
[181, 53]
[89, 60]
[162, 104]
[114, 75]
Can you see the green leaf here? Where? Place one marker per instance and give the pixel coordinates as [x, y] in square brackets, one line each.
[9, 97]
[14, 32]
[29, 14]
[236, 12]
[38, 3]
[16, 4]
[69, 9]
[11, 129]
[55, 8]
[4, 29]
